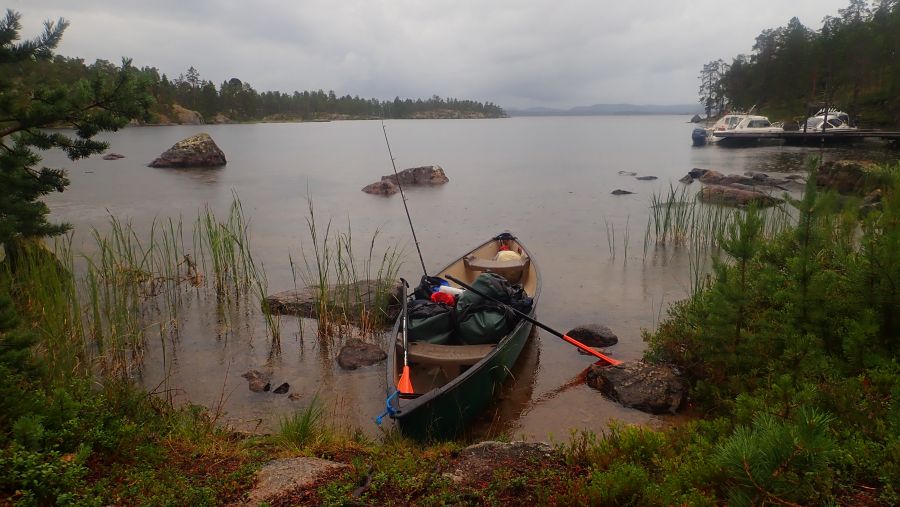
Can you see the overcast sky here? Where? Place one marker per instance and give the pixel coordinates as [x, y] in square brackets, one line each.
[516, 53]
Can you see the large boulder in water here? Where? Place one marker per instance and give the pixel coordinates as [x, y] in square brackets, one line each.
[427, 175]
[196, 151]
[651, 388]
[594, 335]
[424, 175]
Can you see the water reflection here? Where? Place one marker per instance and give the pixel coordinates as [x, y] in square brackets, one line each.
[202, 175]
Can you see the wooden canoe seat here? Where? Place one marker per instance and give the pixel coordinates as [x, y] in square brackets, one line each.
[448, 357]
[511, 270]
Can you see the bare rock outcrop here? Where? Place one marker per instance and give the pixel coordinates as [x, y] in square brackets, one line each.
[282, 476]
[196, 151]
[651, 388]
[186, 116]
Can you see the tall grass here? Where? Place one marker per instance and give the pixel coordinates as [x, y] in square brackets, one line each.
[353, 292]
[679, 219]
[304, 427]
[94, 314]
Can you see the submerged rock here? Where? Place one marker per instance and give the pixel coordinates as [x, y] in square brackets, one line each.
[734, 196]
[257, 381]
[195, 151]
[283, 388]
[594, 335]
[651, 388]
[283, 476]
[619, 191]
[628, 173]
[356, 353]
[113, 156]
[349, 299]
[646, 178]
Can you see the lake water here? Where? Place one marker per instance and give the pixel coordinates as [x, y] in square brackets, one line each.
[548, 180]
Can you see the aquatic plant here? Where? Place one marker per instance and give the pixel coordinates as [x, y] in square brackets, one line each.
[350, 300]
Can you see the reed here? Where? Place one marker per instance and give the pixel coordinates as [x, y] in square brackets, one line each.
[351, 301]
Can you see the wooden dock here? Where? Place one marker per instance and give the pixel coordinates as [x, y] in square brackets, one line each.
[799, 137]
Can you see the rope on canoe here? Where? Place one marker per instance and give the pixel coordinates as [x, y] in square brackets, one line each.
[389, 410]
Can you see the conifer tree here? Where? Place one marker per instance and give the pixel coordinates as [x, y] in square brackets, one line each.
[105, 101]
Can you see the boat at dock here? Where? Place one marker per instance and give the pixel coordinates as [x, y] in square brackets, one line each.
[828, 119]
[742, 122]
[455, 375]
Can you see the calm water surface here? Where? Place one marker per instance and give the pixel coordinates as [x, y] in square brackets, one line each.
[548, 180]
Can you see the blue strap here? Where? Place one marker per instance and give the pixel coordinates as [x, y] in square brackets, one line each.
[389, 410]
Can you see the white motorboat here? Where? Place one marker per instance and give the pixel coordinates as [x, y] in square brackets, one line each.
[749, 123]
[828, 119]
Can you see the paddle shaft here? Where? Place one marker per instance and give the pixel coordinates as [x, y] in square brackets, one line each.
[541, 325]
[404, 322]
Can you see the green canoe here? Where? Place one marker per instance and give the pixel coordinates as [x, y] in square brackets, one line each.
[454, 383]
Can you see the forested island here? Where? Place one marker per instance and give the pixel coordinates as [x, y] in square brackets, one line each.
[851, 62]
[188, 98]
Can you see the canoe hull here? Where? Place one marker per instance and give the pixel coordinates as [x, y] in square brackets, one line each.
[449, 412]
[446, 411]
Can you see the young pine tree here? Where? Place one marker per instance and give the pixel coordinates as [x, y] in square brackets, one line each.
[104, 102]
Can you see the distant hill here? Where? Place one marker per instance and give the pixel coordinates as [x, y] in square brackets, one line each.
[609, 109]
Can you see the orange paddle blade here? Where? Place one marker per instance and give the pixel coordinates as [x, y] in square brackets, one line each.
[405, 384]
[589, 350]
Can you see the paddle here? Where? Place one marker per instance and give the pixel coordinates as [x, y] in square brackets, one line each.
[550, 330]
[404, 385]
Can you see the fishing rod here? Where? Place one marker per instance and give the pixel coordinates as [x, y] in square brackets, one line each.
[403, 196]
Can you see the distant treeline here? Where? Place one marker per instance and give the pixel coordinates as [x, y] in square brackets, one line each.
[237, 100]
[852, 62]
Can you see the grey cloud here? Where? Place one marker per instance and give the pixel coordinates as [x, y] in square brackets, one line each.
[517, 54]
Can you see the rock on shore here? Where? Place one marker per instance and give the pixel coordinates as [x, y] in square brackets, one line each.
[196, 151]
[651, 388]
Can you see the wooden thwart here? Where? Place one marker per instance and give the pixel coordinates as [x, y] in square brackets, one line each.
[447, 355]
